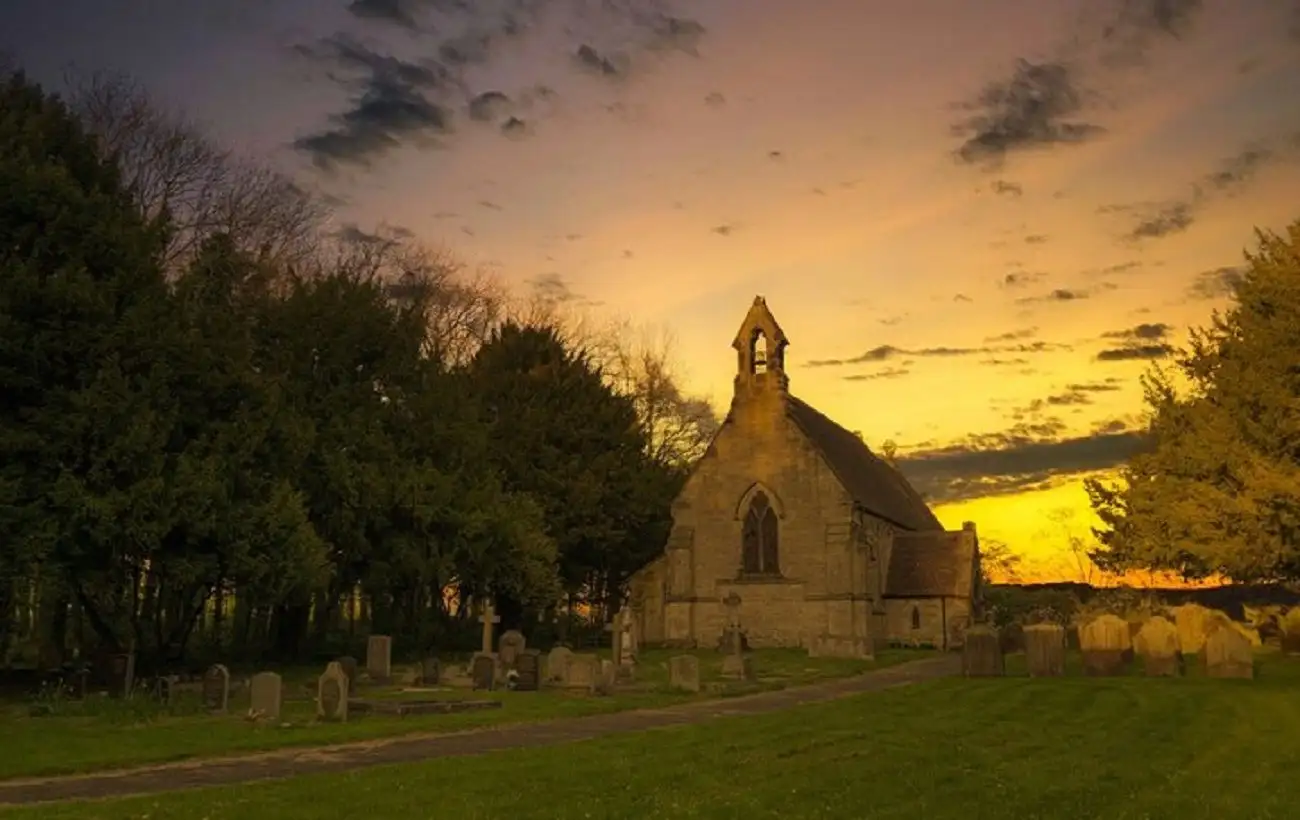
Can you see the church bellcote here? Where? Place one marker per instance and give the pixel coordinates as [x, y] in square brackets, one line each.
[760, 353]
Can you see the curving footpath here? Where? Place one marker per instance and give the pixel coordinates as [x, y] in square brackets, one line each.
[411, 748]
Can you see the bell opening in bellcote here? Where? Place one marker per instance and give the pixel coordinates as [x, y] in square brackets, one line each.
[760, 347]
[758, 353]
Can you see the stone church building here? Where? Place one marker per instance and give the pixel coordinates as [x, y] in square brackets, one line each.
[827, 546]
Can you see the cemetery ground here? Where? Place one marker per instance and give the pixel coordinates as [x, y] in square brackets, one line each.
[57, 736]
[1072, 747]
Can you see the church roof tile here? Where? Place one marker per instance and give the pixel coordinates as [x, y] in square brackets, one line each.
[930, 565]
[872, 483]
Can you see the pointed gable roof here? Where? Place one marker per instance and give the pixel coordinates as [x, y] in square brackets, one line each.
[867, 478]
[931, 565]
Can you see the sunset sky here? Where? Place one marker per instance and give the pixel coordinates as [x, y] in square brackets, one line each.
[977, 222]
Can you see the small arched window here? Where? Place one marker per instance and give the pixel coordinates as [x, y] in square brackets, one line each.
[759, 547]
[916, 617]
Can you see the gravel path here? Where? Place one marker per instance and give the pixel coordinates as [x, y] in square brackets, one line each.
[292, 762]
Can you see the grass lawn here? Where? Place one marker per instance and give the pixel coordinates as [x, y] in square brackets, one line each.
[121, 734]
[1115, 748]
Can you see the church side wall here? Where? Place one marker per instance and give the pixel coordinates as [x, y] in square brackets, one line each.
[820, 573]
[937, 617]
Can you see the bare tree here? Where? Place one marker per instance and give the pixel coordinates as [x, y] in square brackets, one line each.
[461, 307]
[172, 167]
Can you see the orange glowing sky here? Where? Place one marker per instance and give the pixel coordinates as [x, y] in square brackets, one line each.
[805, 152]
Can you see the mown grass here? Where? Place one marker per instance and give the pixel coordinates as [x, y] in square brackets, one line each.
[1118, 748]
[97, 735]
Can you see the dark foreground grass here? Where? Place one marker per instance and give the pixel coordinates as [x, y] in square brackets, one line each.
[114, 738]
[1118, 748]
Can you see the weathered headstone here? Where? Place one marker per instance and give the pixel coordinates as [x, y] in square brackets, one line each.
[266, 693]
[981, 656]
[557, 664]
[350, 667]
[733, 637]
[1157, 644]
[483, 669]
[1289, 626]
[606, 678]
[332, 694]
[1105, 644]
[430, 671]
[528, 666]
[1193, 622]
[216, 688]
[1227, 654]
[508, 648]
[737, 666]
[583, 671]
[1045, 650]
[684, 673]
[488, 618]
[379, 658]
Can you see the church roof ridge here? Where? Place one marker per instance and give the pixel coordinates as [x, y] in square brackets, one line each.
[868, 479]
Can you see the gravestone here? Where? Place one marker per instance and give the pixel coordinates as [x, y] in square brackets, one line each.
[332, 694]
[430, 672]
[379, 658]
[606, 678]
[557, 664]
[1193, 622]
[1157, 644]
[583, 671]
[981, 656]
[266, 693]
[529, 668]
[488, 618]
[684, 673]
[349, 665]
[1227, 654]
[164, 689]
[1289, 626]
[1106, 646]
[216, 688]
[511, 644]
[733, 638]
[623, 650]
[483, 670]
[1045, 650]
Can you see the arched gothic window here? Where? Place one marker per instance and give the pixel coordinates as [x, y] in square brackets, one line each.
[759, 538]
[916, 617]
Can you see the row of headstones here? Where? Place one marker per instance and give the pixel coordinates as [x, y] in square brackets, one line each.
[1107, 646]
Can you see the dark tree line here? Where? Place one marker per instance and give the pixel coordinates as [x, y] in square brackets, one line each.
[225, 430]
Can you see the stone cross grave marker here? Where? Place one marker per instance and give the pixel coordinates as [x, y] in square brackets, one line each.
[1045, 650]
[1157, 644]
[379, 658]
[1106, 645]
[332, 694]
[684, 673]
[511, 644]
[732, 640]
[216, 688]
[557, 664]
[488, 618]
[981, 655]
[266, 693]
[1227, 654]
